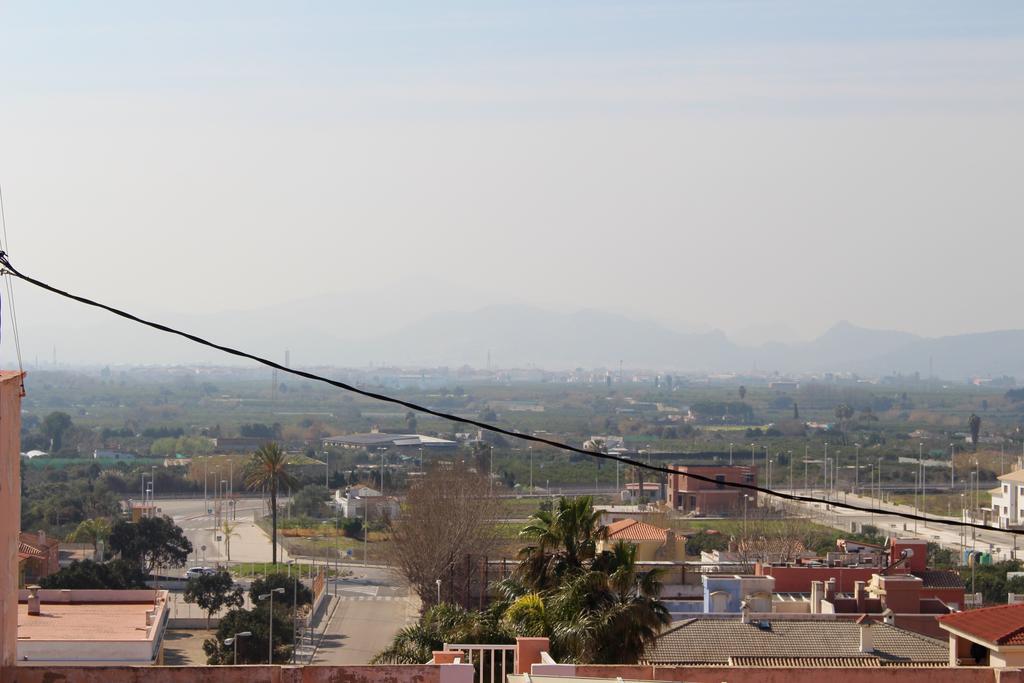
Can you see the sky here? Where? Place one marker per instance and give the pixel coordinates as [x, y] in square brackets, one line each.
[763, 168]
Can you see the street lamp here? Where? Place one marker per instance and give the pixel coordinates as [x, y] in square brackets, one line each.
[730, 454]
[856, 464]
[438, 582]
[233, 640]
[745, 499]
[270, 643]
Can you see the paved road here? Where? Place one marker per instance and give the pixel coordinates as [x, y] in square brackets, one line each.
[373, 605]
[250, 544]
[1000, 543]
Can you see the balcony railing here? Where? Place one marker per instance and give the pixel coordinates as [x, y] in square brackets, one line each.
[492, 662]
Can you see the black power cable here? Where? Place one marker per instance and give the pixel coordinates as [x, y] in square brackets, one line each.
[6, 264]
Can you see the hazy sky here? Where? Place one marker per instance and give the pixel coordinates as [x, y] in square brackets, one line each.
[713, 164]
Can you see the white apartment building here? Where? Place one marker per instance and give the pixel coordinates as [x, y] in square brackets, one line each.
[1008, 500]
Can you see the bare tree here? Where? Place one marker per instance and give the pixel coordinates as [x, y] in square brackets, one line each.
[448, 514]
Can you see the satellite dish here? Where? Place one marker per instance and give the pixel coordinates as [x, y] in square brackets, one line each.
[907, 553]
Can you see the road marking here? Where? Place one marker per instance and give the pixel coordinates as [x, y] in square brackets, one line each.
[363, 590]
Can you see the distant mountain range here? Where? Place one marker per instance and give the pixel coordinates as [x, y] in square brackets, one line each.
[358, 330]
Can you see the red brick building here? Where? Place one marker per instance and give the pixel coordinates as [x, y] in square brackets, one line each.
[690, 495]
[38, 556]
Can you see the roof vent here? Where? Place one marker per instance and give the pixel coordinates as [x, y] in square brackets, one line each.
[764, 625]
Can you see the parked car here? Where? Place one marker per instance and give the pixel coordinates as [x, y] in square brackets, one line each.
[194, 572]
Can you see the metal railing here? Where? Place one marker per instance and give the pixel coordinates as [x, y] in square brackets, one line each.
[492, 662]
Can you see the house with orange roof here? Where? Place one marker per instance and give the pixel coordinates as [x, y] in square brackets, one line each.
[38, 556]
[652, 542]
[990, 636]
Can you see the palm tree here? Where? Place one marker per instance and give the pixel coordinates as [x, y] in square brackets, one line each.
[228, 529]
[561, 541]
[267, 472]
[91, 531]
[443, 623]
[610, 613]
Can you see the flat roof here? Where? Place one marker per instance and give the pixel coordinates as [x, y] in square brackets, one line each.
[85, 621]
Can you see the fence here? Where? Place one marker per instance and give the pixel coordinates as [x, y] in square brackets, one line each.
[492, 663]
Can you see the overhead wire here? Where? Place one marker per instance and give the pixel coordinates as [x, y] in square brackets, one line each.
[9, 286]
[8, 268]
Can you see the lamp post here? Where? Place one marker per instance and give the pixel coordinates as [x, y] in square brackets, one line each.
[920, 460]
[438, 582]
[856, 475]
[791, 489]
[745, 499]
[327, 470]
[826, 468]
[952, 459]
[233, 640]
[270, 642]
[730, 454]
[530, 448]
[751, 456]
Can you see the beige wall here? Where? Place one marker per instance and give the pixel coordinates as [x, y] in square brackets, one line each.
[411, 673]
[10, 516]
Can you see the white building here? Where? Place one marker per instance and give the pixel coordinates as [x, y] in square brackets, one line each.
[1007, 499]
[362, 502]
[91, 627]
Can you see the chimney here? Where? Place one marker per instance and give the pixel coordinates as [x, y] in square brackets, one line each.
[817, 589]
[830, 590]
[867, 643]
[33, 600]
[744, 612]
[859, 594]
[888, 617]
[42, 537]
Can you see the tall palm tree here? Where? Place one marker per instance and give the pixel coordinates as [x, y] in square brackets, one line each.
[267, 472]
[609, 614]
[91, 531]
[560, 541]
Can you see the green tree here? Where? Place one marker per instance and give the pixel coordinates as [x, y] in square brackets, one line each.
[91, 531]
[253, 649]
[311, 501]
[294, 590]
[54, 427]
[559, 541]
[151, 542]
[113, 575]
[228, 529]
[742, 392]
[213, 592]
[268, 471]
[974, 424]
[440, 624]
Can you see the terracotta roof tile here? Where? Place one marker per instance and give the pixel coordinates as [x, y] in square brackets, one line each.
[715, 641]
[633, 530]
[1002, 625]
[939, 578]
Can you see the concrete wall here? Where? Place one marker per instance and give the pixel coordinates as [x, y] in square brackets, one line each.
[412, 673]
[799, 675]
[10, 515]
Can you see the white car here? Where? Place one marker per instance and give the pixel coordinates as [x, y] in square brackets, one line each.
[194, 572]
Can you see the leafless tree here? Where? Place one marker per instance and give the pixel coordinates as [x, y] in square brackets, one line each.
[447, 515]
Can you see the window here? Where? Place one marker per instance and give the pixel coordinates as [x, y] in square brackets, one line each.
[720, 479]
[748, 478]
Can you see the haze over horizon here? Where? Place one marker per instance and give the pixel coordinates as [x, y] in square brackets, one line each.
[764, 170]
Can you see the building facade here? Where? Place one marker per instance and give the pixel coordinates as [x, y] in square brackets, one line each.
[690, 495]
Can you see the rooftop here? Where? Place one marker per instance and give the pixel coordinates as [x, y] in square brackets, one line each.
[382, 439]
[1016, 475]
[634, 530]
[91, 615]
[1001, 625]
[705, 640]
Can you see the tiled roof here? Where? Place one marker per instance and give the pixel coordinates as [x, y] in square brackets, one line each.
[938, 578]
[1016, 475]
[1002, 625]
[714, 641]
[633, 530]
[813, 662]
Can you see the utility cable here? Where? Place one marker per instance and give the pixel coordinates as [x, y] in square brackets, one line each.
[9, 286]
[8, 268]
